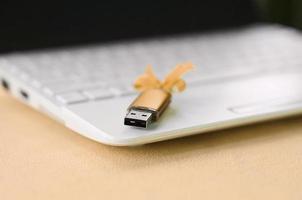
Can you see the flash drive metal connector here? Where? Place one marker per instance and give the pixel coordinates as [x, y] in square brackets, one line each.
[147, 108]
[138, 118]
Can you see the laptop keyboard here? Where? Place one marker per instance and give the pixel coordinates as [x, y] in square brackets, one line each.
[101, 72]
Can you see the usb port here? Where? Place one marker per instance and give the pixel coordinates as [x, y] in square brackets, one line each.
[24, 94]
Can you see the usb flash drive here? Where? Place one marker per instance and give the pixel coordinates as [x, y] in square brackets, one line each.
[155, 96]
[147, 107]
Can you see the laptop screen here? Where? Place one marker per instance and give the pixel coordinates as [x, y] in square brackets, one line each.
[46, 24]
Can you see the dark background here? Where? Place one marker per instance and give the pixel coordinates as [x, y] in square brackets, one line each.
[29, 25]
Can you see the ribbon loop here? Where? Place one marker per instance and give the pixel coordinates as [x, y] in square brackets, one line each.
[172, 82]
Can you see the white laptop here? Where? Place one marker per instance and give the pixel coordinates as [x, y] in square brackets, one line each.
[242, 75]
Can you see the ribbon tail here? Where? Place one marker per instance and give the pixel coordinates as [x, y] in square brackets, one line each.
[175, 75]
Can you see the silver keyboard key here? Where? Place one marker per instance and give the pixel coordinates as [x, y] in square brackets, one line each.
[70, 98]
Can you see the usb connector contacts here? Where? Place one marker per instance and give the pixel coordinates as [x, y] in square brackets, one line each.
[147, 108]
[138, 118]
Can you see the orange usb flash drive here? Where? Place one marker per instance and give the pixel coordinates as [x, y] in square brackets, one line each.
[155, 96]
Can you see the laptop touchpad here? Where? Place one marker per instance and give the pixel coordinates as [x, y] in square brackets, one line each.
[267, 105]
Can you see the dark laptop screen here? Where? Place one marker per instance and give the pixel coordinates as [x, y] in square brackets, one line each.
[27, 25]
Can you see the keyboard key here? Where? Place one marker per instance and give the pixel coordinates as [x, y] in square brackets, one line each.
[99, 94]
[70, 86]
[123, 90]
[58, 88]
[70, 98]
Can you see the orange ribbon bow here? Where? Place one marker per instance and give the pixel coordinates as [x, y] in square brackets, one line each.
[171, 83]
